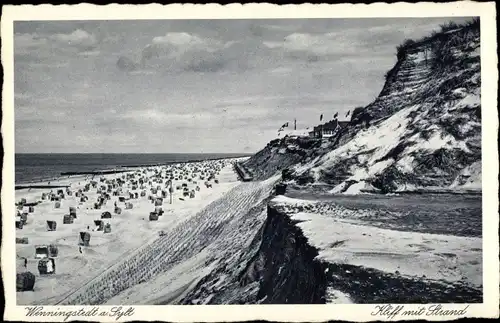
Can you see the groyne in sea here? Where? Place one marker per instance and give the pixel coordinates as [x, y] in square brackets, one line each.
[21, 187]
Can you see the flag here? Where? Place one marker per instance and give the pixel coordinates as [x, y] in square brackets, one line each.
[336, 114]
[321, 117]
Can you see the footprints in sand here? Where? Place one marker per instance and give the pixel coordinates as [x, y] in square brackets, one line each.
[377, 254]
[424, 248]
[446, 255]
[420, 247]
[337, 243]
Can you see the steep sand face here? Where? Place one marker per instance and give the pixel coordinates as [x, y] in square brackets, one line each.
[215, 248]
[129, 230]
[423, 132]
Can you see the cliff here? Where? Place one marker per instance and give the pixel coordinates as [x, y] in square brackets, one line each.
[423, 131]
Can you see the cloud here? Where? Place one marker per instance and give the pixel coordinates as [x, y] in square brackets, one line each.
[28, 41]
[185, 51]
[126, 64]
[90, 53]
[182, 51]
[316, 47]
[42, 51]
[320, 44]
[181, 40]
[350, 42]
[78, 38]
[155, 117]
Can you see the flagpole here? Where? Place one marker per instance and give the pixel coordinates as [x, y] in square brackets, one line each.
[321, 133]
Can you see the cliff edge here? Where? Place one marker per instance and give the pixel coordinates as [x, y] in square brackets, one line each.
[423, 131]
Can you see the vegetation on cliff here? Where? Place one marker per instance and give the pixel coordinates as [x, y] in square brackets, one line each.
[423, 131]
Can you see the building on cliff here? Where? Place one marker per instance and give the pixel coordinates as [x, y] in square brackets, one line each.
[328, 129]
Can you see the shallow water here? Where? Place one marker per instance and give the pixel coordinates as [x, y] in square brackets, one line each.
[37, 167]
[453, 214]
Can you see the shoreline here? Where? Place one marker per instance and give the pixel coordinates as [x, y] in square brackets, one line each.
[120, 169]
[325, 191]
[22, 187]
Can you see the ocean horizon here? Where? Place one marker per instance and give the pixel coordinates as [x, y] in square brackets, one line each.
[36, 167]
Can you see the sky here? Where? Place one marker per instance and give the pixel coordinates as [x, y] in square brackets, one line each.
[194, 86]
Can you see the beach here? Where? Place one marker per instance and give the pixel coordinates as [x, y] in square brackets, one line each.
[129, 230]
[196, 251]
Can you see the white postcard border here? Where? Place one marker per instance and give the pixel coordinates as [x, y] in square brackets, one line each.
[295, 313]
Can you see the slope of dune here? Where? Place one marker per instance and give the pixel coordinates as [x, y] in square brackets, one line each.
[422, 132]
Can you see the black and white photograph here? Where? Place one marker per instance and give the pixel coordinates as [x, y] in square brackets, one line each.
[248, 161]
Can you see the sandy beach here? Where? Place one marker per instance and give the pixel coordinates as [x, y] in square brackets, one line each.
[129, 230]
[348, 241]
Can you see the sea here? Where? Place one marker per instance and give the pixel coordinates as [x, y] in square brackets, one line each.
[32, 168]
